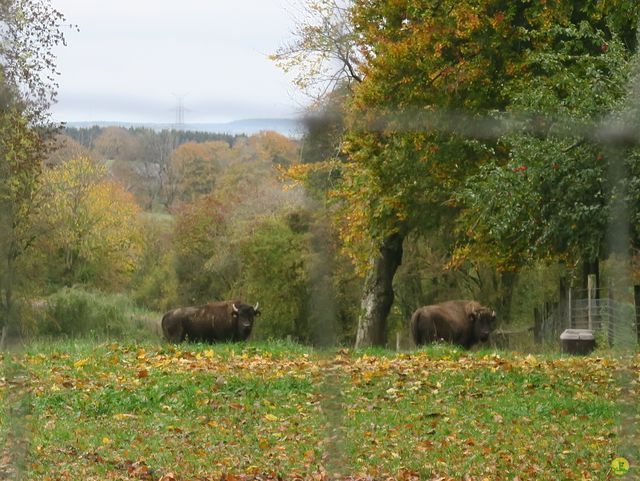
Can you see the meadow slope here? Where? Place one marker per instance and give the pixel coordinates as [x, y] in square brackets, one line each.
[116, 411]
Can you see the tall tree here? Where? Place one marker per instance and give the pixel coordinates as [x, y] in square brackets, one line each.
[552, 198]
[433, 75]
[160, 180]
[94, 235]
[421, 57]
[324, 53]
[21, 156]
[29, 31]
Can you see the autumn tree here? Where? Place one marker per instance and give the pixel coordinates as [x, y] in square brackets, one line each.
[421, 57]
[92, 227]
[21, 155]
[64, 149]
[281, 151]
[434, 76]
[29, 31]
[117, 143]
[195, 166]
[204, 264]
[324, 51]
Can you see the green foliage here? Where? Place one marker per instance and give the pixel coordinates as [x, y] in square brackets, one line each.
[542, 205]
[29, 32]
[551, 197]
[159, 287]
[21, 152]
[200, 240]
[75, 312]
[155, 284]
[274, 273]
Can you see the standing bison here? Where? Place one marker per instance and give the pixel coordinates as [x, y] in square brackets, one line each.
[459, 322]
[215, 321]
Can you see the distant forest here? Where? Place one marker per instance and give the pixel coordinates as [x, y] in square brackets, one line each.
[464, 150]
[87, 136]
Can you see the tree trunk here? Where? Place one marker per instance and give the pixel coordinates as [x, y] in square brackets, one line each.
[377, 295]
[537, 326]
[636, 296]
[6, 296]
[507, 283]
[3, 337]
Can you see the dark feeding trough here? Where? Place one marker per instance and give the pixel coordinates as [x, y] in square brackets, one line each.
[577, 341]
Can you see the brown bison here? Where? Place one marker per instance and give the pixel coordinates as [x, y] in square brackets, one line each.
[215, 321]
[459, 322]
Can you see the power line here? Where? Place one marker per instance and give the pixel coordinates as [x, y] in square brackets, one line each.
[179, 111]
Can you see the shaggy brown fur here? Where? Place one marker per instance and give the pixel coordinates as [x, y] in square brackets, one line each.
[458, 322]
[215, 321]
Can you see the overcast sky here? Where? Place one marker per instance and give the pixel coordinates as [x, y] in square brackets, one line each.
[133, 59]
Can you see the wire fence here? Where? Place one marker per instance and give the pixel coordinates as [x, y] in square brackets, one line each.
[613, 321]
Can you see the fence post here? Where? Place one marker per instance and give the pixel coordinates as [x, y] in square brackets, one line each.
[591, 295]
[570, 309]
[611, 321]
[636, 295]
[561, 307]
[537, 325]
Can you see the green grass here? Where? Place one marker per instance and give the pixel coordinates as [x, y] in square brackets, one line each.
[122, 411]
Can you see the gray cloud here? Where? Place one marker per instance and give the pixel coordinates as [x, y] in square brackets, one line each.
[129, 58]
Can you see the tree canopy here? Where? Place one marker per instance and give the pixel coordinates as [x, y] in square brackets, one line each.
[472, 115]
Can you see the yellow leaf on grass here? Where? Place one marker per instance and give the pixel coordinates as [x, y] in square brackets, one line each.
[271, 417]
[81, 362]
[121, 416]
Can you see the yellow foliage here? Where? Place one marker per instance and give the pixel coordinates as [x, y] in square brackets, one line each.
[91, 221]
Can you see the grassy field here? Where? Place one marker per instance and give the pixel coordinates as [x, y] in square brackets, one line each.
[86, 411]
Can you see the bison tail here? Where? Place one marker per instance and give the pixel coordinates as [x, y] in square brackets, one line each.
[164, 327]
[415, 328]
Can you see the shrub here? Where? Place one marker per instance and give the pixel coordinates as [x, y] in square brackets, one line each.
[200, 245]
[158, 289]
[274, 273]
[76, 312]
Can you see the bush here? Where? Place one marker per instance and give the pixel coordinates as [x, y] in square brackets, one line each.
[158, 289]
[76, 312]
[202, 267]
[274, 273]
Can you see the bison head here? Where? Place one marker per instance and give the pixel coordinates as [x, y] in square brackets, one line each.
[484, 321]
[243, 315]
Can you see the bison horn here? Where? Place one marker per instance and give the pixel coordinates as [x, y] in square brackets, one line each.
[256, 307]
[235, 309]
